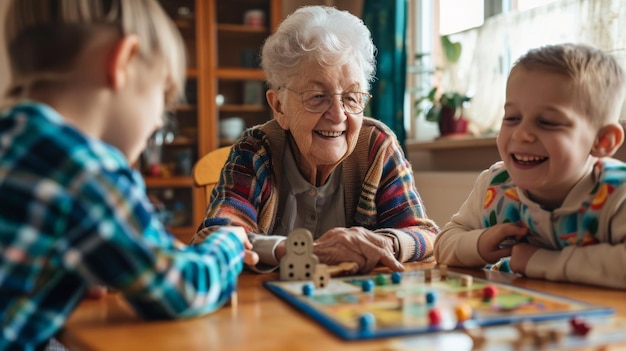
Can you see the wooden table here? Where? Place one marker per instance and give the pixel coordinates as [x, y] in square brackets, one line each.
[261, 321]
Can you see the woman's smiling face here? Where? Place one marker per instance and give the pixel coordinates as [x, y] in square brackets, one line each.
[324, 139]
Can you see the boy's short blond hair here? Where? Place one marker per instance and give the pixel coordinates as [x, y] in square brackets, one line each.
[44, 38]
[597, 77]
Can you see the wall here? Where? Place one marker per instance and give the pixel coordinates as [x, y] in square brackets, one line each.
[443, 193]
[4, 62]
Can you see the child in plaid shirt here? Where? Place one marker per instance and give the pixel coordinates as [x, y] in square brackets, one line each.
[90, 81]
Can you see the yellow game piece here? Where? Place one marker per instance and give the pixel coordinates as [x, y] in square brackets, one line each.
[463, 312]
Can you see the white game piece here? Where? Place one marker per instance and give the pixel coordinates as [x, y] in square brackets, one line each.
[299, 262]
[321, 277]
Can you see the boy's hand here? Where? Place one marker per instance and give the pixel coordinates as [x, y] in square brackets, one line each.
[520, 256]
[489, 242]
[250, 257]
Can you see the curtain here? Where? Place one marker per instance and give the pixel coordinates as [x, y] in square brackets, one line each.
[387, 22]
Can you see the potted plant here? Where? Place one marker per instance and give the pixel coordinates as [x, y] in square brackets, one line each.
[445, 107]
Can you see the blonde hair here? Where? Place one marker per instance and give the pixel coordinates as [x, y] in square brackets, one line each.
[597, 77]
[44, 38]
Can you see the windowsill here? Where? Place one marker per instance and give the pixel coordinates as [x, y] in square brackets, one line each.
[453, 154]
[455, 142]
[463, 153]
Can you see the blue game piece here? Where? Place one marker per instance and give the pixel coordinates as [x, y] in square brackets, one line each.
[307, 289]
[431, 297]
[396, 277]
[367, 285]
[367, 321]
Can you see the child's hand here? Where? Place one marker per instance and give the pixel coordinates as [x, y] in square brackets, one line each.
[250, 257]
[489, 241]
[520, 256]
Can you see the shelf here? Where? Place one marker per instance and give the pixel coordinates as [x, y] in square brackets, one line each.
[241, 28]
[240, 73]
[185, 107]
[182, 141]
[459, 142]
[243, 108]
[161, 182]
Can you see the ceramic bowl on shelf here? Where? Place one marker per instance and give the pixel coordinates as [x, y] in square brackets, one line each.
[231, 127]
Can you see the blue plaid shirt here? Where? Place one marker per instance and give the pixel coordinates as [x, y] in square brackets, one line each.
[74, 214]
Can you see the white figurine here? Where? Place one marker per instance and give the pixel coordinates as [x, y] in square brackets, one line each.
[299, 262]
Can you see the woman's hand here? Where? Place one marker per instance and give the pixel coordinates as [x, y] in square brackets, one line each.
[356, 244]
[489, 242]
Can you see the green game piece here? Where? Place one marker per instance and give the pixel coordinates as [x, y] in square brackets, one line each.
[381, 279]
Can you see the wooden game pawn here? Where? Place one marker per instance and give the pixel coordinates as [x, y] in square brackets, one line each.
[526, 332]
[233, 302]
[477, 336]
[466, 280]
[443, 271]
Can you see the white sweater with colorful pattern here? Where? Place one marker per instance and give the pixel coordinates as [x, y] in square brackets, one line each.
[583, 241]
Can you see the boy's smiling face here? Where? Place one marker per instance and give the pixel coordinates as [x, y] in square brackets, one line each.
[544, 140]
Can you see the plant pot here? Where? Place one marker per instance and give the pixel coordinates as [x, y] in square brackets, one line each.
[448, 124]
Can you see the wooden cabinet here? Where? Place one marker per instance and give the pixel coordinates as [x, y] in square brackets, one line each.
[223, 39]
[239, 29]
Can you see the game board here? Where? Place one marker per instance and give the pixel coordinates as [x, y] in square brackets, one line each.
[419, 302]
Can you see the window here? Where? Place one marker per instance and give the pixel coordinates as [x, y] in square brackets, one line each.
[510, 28]
[459, 15]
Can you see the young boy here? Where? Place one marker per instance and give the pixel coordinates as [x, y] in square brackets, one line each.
[556, 194]
[89, 82]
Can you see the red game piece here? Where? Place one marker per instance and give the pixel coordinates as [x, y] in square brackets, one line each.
[489, 292]
[434, 316]
[579, 326]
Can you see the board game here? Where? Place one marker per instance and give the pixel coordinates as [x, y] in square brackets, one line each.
[421, 302]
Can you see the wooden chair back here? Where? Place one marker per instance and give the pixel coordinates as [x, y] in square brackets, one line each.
[206, 172]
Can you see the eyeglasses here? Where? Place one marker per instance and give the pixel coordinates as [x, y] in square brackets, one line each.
[319, 101]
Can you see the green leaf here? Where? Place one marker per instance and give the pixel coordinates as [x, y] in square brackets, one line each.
[434, 113]
[452, 50]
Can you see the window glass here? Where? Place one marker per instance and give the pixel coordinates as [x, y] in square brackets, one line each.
[459, 15]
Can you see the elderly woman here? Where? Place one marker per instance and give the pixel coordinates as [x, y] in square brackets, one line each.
[319, 164]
